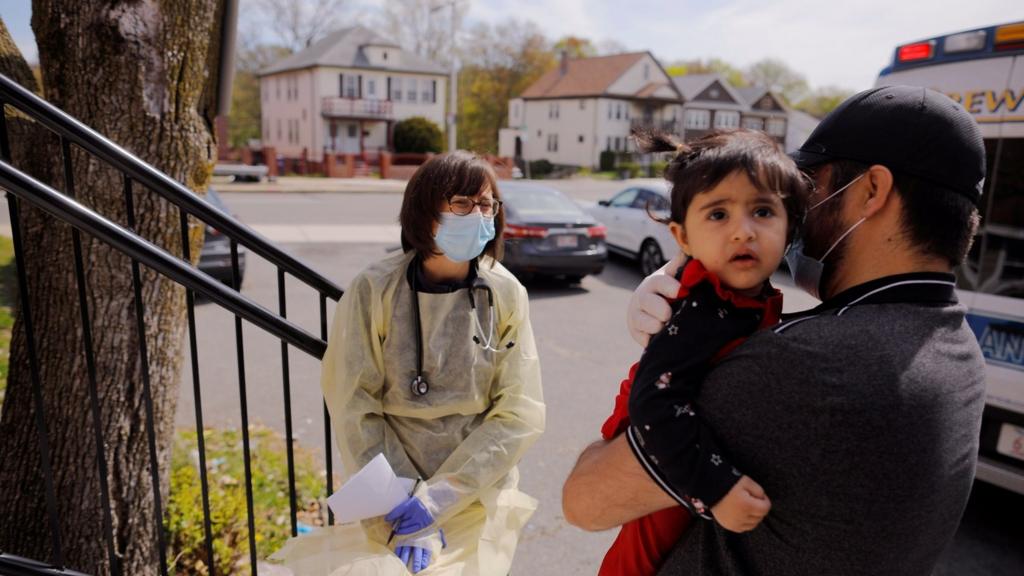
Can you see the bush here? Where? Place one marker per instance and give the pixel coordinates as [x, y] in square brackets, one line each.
[629, 169]
[417, 134]
[541, 168]
[226, 476]
[658, 168]
[607, 161]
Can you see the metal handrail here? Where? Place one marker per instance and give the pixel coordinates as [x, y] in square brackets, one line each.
[95, 143]
[60, 206]
[11, 565]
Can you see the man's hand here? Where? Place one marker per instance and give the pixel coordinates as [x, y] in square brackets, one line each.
[648, 310]
[743, 508]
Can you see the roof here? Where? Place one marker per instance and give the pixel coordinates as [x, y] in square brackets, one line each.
[692, 84]
[343, 49]
[649, 90]
[584, 77]
[752, 94]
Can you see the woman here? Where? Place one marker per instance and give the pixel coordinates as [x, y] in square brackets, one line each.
[432, 362]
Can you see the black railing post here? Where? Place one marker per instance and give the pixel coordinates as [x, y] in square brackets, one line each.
[328, 450]
[236, 281]
[33, 359]
[147, 391]
[90, 364]
[190, 301]
[286, 380]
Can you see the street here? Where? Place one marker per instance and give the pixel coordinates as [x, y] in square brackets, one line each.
[584, 350]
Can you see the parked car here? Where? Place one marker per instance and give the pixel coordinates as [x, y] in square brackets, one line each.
[631, 230]
[215, 258]
[547, 234]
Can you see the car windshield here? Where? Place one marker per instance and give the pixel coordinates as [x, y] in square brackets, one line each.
[541, 203]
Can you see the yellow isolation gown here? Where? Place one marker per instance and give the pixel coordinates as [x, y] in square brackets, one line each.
[464, 437]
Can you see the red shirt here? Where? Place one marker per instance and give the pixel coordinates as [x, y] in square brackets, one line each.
[642, 544]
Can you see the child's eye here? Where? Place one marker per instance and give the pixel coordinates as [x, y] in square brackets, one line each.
[764, 212]
[716, 215]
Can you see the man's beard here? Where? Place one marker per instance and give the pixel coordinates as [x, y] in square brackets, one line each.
[821, 230]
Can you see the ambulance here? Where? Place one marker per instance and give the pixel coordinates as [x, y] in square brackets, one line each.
[983, 69]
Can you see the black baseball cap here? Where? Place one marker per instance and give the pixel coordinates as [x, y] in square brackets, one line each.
[910, 130]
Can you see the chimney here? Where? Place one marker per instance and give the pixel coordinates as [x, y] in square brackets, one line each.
[563, 67]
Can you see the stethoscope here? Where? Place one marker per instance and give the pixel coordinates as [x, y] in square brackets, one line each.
[484, 339]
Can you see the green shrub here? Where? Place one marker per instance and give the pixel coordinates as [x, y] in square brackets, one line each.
[629, 169]
[228, 516]
[607, 161]
[541, 168]
[658, 168]
[417, 134]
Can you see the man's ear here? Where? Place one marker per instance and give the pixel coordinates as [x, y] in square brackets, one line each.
[679, 233]
[878, 189]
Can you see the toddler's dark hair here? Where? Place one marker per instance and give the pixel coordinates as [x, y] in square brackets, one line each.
[700, 165]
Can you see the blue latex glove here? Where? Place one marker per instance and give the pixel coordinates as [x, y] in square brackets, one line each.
[414, 557]
[409, 517]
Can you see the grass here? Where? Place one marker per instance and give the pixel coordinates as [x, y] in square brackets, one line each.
[7, 287]
[184, 518]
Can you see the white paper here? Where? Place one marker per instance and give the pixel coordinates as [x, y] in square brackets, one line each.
[373, 491]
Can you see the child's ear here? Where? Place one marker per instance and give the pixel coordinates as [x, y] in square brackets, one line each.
[679, 233]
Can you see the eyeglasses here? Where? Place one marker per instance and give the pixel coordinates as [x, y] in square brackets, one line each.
[463, 205]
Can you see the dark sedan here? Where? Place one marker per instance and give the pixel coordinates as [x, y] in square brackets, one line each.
[215, 258]
[547, 234]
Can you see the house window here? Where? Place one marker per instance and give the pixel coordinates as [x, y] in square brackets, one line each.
[385, 55]
[553, 110]
[351, 86]
[583, 104]
[552, 142]
[352, 131]
[618, 110]
[538, 133]
[753, 123]
[278, 83]
[411, 89]
[278, 129]
[647, 71]
[610, 113]
[371, 87]
[608, 146]
[777, 126]
[618, 143]
[724, 119]
[581, 139]
[298, 132]
[698, 119]
[427, 93]
[396, 89]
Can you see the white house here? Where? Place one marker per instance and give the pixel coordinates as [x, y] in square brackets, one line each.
[587, 105]
[345, 93]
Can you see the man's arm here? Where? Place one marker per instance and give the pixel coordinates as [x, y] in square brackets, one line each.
[608, 488]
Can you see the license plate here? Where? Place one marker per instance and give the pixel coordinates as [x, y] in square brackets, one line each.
[566, 241]
[1011, 441]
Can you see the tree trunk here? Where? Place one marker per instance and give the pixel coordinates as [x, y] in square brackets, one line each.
[142, 73]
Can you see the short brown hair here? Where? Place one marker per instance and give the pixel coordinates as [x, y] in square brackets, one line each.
[700, 165]
[458, 173]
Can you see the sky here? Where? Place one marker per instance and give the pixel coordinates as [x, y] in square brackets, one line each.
[831, 43]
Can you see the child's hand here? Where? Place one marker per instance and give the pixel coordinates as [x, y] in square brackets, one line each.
[743, 508]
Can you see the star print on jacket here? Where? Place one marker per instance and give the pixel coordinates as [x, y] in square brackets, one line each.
[672, 442]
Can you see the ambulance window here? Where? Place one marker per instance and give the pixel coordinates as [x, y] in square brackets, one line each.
[996, 262]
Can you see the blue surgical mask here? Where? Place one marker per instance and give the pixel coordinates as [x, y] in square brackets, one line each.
[463, 238]
[807, 271]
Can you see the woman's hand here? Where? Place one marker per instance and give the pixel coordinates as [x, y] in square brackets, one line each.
[648, 309]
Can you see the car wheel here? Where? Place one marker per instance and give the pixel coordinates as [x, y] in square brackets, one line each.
[650, 257]
[573, 279]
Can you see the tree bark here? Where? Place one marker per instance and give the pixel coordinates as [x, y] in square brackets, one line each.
[142, 73]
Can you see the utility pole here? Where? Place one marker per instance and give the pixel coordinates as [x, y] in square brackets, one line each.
[452, 76]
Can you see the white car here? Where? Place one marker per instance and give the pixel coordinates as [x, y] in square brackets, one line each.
[631, 230]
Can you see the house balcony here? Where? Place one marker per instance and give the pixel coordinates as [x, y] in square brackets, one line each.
[337, 107]
[673, 127]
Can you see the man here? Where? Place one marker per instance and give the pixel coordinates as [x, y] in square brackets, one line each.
[860, 418]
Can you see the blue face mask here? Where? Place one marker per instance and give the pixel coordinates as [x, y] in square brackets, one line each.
[807, 271]
[463, 238]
